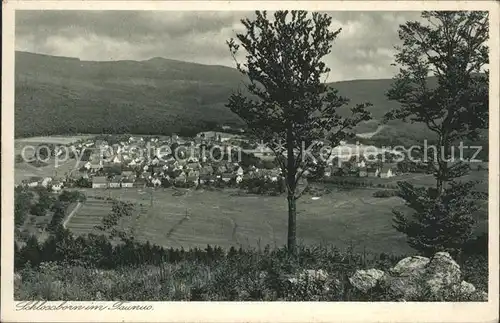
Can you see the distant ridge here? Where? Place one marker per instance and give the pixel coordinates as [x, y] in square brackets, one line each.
[64, 95]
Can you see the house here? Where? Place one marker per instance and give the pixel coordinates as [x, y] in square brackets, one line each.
[227, 177]
[128, 182]
[206, 179]
[117, 159]
[34, 181]
[328, 171]
[156, 182]
[180, 178]
[272, 174]
[363, 172]
[171, 164]
[128, 173]
[158, 170]
[194, 165]
[46, 181]
[192, 179]
[115, 182]
[239, 171]
[362, 164]
[372, 171]
[96, 167]
[221, 169]
[386, 172]
[206, 170]
[57, 186]
[99, 182]
[193, 173]
[239, 178]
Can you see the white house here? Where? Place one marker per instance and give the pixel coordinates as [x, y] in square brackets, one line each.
[46, 181]
[57, 186]
[99, 182]
[239, 171]
[127, 183]
[386, 173]
[362, 164]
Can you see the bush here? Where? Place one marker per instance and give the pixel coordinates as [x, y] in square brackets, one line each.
[385, 193]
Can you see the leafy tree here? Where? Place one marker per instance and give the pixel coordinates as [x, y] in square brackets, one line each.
[59, 212]
[22, 205]
[83, 182]
[31, 252]
[290, 108]
[453, 104]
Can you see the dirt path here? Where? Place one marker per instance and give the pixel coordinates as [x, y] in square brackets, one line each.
[73, 212]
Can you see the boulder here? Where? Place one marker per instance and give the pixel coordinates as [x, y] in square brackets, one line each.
[441, 273]
[365, 280]
[464, 288]
[410, 266]
[418, 278]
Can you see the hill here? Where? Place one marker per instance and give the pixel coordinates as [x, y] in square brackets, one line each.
[61, 95]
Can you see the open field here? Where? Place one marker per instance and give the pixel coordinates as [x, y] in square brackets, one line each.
[56, 140]
[198, 218]
[24, 170]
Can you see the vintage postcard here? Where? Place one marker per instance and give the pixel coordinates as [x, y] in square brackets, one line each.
[250, 161]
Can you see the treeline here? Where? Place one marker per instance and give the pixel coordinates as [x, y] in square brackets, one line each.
[96, 251]
[148, 126]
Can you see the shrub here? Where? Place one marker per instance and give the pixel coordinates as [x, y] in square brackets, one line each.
[385, 193]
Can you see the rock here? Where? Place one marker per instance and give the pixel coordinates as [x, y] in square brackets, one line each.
[465, 288]
[410, 265]
[420, 278]
[364, 280]
[442, 272]
[401, 287]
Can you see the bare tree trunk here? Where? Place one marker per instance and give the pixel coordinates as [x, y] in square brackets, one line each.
[292, 223]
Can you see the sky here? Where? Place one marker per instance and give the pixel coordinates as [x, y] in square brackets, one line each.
[363, 50]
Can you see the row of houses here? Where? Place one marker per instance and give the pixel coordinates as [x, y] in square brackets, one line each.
[56, 185]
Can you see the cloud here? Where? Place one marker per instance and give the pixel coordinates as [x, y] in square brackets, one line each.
[363, 49]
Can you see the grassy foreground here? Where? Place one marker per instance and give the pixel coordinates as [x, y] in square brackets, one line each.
[214, 275]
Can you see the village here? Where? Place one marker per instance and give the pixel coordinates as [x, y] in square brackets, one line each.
[148, 161]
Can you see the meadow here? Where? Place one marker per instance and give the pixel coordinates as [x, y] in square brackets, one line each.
[345, 218]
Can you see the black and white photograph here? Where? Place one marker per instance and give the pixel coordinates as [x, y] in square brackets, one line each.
[265, 155]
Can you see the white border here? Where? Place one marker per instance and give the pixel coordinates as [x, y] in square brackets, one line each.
[257, 311]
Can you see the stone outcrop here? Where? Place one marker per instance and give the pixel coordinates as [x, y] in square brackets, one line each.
[419, 278]
[365, 280]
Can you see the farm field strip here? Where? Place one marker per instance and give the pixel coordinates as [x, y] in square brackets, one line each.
[219, 218]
